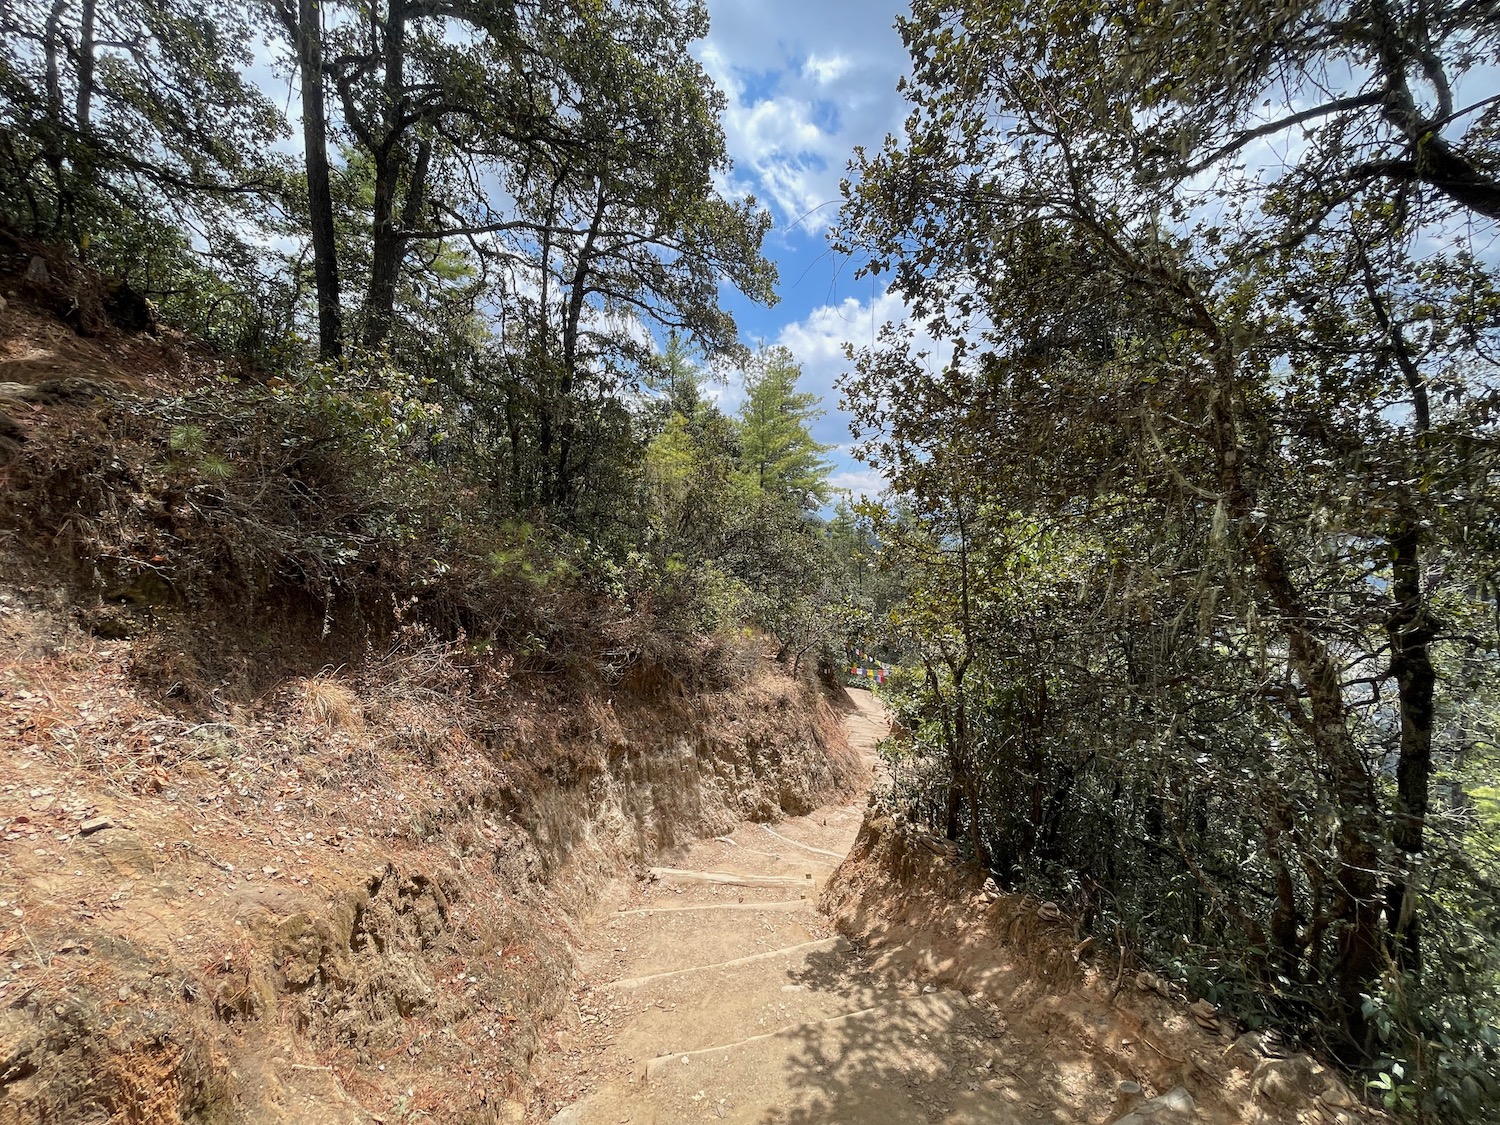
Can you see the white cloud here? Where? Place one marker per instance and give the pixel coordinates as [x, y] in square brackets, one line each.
[858, 483]
[819, 338]
[819, 341]
[824, 69]
[806, 83]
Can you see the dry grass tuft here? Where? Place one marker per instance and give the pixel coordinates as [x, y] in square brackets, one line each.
[331, 705]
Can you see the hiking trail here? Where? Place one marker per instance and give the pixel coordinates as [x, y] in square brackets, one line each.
[714, 991]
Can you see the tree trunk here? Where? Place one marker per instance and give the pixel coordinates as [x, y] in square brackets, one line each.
[416, 190]
[953, 807]
[309, 33]
[1411, 636]
[1357, 963]
[953, 800]
[1411, 663]
[387, 240]
[83, 104]
[970, 784]
[572, 326]
[54, 146]
[1286, 941]
[541, 360]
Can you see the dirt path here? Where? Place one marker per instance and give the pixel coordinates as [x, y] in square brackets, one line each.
[715, 992]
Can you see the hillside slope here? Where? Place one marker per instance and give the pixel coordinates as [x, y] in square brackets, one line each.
[280, 843]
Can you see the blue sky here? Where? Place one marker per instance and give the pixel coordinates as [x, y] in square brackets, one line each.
[807, 81]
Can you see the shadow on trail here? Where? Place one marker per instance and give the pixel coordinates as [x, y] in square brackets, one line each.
[916, 1057]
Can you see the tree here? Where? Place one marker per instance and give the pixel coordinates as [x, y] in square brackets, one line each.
[1230, 358]
[129, 130]
[677, 377]
[569, 154]
[569, 148]
[127, 104]
[304, 26]
[629, 230]
[1410, 112]
[777, 450]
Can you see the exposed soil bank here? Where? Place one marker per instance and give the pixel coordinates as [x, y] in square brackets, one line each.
[341, 904]
[299, 803]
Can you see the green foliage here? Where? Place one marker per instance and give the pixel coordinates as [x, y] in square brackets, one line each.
[777, 451]
[1438, 1053]
[527, 556]
[732, 548]
[517, 192]
[1194, 520]
[132, 133]
[378, 409]
[544, 177]
[520, 196]
[192, 441]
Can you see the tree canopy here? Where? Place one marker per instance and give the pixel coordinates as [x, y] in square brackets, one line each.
[1199, 494]
[494, 270]
[777, 450]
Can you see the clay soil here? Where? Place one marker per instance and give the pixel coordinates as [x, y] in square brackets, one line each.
[336, 904]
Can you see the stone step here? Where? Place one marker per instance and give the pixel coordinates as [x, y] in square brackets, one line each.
[897, 1061]
[692, 1008]
[789, 904]
[824, 945]
[836, 857]
[664, 892]
[732, 878]
[656, 1068]
[818, 842]
[829, 830]
[760, 853]
[670, 938]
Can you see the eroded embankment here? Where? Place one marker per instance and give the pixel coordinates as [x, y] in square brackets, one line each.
[342, 904]
[1097, 1036]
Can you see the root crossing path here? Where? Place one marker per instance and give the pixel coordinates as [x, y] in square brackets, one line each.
[716, 992]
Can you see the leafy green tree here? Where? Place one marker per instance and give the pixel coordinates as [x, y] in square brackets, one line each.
[130, 131]
[570, 150]
[691, 461]
[411, 101]
[127, 107]
[677, 377]
[1229, 373]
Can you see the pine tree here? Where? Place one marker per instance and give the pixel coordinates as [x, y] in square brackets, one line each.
[777, 450]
